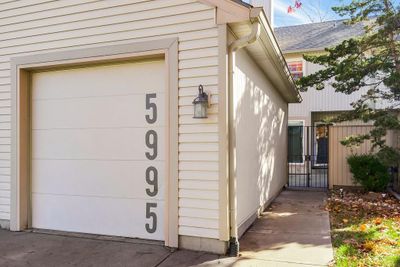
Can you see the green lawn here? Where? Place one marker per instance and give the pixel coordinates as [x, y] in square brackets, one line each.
[365, 230]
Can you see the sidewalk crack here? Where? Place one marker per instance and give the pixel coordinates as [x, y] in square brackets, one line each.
[164, 259]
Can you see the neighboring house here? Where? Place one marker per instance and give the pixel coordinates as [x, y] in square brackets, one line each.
[313, 38]
[311, 147]
[97, 133]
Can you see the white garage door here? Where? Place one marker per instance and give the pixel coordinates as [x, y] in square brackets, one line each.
[98, 150]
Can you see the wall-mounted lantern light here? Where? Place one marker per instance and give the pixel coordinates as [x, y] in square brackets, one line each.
[200, 104]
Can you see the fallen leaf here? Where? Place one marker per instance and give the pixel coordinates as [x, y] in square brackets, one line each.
[345, 220]
[369, 245]
[363, 227]
[378, 221]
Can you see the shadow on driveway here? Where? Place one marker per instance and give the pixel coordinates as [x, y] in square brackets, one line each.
[294, 231]
[39, 249]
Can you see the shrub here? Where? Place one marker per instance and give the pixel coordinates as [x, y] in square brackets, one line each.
[369, 171]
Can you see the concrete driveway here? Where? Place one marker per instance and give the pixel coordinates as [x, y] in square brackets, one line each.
[294, 231]
[39, 249]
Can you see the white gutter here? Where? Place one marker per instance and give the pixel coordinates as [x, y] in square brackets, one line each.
[233, 47]
[248, 39]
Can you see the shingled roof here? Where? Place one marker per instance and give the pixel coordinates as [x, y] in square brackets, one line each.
[315, 36]
[242, 3]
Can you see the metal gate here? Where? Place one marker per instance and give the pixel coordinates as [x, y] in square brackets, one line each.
[308, 156]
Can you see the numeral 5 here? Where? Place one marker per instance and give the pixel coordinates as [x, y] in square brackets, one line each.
[152, 106]
[153, 216]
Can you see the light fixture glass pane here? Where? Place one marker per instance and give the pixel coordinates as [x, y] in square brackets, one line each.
[200, 110]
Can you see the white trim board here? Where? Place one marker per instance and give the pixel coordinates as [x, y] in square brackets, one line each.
[20, 141]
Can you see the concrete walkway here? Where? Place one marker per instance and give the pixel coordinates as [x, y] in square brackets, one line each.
[294, 232]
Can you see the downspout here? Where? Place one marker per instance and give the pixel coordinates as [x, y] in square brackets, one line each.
[248, 39]
[233, 47]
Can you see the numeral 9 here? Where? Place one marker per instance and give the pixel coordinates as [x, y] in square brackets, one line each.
[151, 145]
[152, 181]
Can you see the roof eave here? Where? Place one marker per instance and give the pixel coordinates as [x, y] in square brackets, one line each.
[290, 87]
[307, 50]
[231, 12]
[228, 11]
[272, 61]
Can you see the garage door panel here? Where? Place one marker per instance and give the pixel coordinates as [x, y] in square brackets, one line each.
[126, 179]
[97, 112]
[108, 216]
[92, 147]
[100, 81]
[101, 144]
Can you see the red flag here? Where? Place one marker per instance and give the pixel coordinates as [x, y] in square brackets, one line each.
[297, 4]
[290, 10]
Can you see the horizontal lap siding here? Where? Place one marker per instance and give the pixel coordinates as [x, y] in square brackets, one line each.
[5, 144]
[198, 141]
[47, 26]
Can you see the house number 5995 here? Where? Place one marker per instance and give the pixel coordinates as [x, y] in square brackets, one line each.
[151, 140]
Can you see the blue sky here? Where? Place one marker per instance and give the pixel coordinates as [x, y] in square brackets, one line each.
[312, 11]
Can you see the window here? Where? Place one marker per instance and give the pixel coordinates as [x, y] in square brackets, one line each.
[296, 69]
[295, 142]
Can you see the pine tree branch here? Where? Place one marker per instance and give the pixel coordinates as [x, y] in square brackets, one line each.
[392, 40]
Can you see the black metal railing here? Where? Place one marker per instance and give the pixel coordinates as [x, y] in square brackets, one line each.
[308, 152]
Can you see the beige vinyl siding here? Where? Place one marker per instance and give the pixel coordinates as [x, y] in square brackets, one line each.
[319, 100]
[259, 128]
[39, 26]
